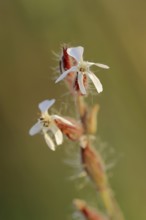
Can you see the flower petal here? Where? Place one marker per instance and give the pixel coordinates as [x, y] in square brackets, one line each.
[81, 84]
[65, 121]
[96, 82]
[76, 52]
[64, 74]
[57, 133]
[49, 141]
[99, 65]
[36, 128]
[45, 105]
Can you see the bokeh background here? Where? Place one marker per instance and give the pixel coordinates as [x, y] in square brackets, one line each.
[34, 181]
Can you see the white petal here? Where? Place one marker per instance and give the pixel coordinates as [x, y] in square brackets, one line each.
[45, 105]
[64, 74]
[96, 82]
[49, 141]
[99, 65]
[57, 133]
[65, 121]
[81, 84]
[76, 52]
[35, 129]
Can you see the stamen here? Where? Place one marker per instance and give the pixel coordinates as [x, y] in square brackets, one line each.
[41, 118]
[82, 69]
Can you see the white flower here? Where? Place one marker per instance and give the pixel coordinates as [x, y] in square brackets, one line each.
[82, 68]
[46, 123]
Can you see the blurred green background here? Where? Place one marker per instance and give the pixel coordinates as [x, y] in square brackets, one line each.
[34, 182]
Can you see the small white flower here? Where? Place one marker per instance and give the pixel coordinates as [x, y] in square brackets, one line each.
[46, 123]
[82, 68]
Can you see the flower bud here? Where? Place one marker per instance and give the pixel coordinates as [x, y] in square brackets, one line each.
[87, 212]
[92, 119]
[93, 165]
[88, 115]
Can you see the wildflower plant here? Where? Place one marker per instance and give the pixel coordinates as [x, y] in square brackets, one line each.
[76, 73]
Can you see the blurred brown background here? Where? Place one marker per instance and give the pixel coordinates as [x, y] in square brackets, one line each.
[34, 182]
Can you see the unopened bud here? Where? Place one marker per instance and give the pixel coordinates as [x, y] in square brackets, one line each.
[88, 115]
[92, 119]
[82, 108]
[93, 165]
[87, 212]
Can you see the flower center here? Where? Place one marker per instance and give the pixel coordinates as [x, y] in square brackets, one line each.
[45, 120]
[82, 67]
